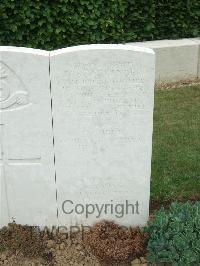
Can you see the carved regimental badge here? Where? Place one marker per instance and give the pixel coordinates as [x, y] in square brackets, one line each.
[13, 93]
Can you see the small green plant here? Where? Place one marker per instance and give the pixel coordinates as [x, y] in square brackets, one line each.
[175, 235]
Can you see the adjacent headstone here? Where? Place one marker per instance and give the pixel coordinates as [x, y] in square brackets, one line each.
[102, 99]
[26, 154]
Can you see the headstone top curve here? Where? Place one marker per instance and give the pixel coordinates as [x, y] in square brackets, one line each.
[24, 50]
[124, 47]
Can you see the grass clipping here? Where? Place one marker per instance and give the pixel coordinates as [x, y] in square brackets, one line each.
[113, 244]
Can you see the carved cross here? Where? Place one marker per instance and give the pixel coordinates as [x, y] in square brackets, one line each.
[5, 160]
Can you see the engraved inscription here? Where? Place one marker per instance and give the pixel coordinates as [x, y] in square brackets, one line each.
[118, 93]
[105, 97]
[10, 97]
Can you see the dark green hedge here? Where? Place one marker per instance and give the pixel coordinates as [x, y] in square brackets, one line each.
[59, 23]
[177, 19]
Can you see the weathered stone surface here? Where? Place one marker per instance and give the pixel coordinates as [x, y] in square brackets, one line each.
[176, 60]
[103, 121]
[26, 156]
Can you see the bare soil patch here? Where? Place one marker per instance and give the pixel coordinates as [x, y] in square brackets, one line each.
[178, 84]
[116, 245]
[106, 244]
[157, 204]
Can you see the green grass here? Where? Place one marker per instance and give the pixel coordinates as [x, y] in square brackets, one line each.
[176, 144]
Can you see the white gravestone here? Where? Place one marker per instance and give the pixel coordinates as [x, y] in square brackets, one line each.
[103, 121]
[26, 157]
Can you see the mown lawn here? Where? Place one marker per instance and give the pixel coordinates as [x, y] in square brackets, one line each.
[176, 144]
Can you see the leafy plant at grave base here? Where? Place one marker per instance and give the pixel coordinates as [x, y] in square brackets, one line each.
[51, 24]
[175, 235]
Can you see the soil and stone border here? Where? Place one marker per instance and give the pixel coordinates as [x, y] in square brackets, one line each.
[105, 244]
